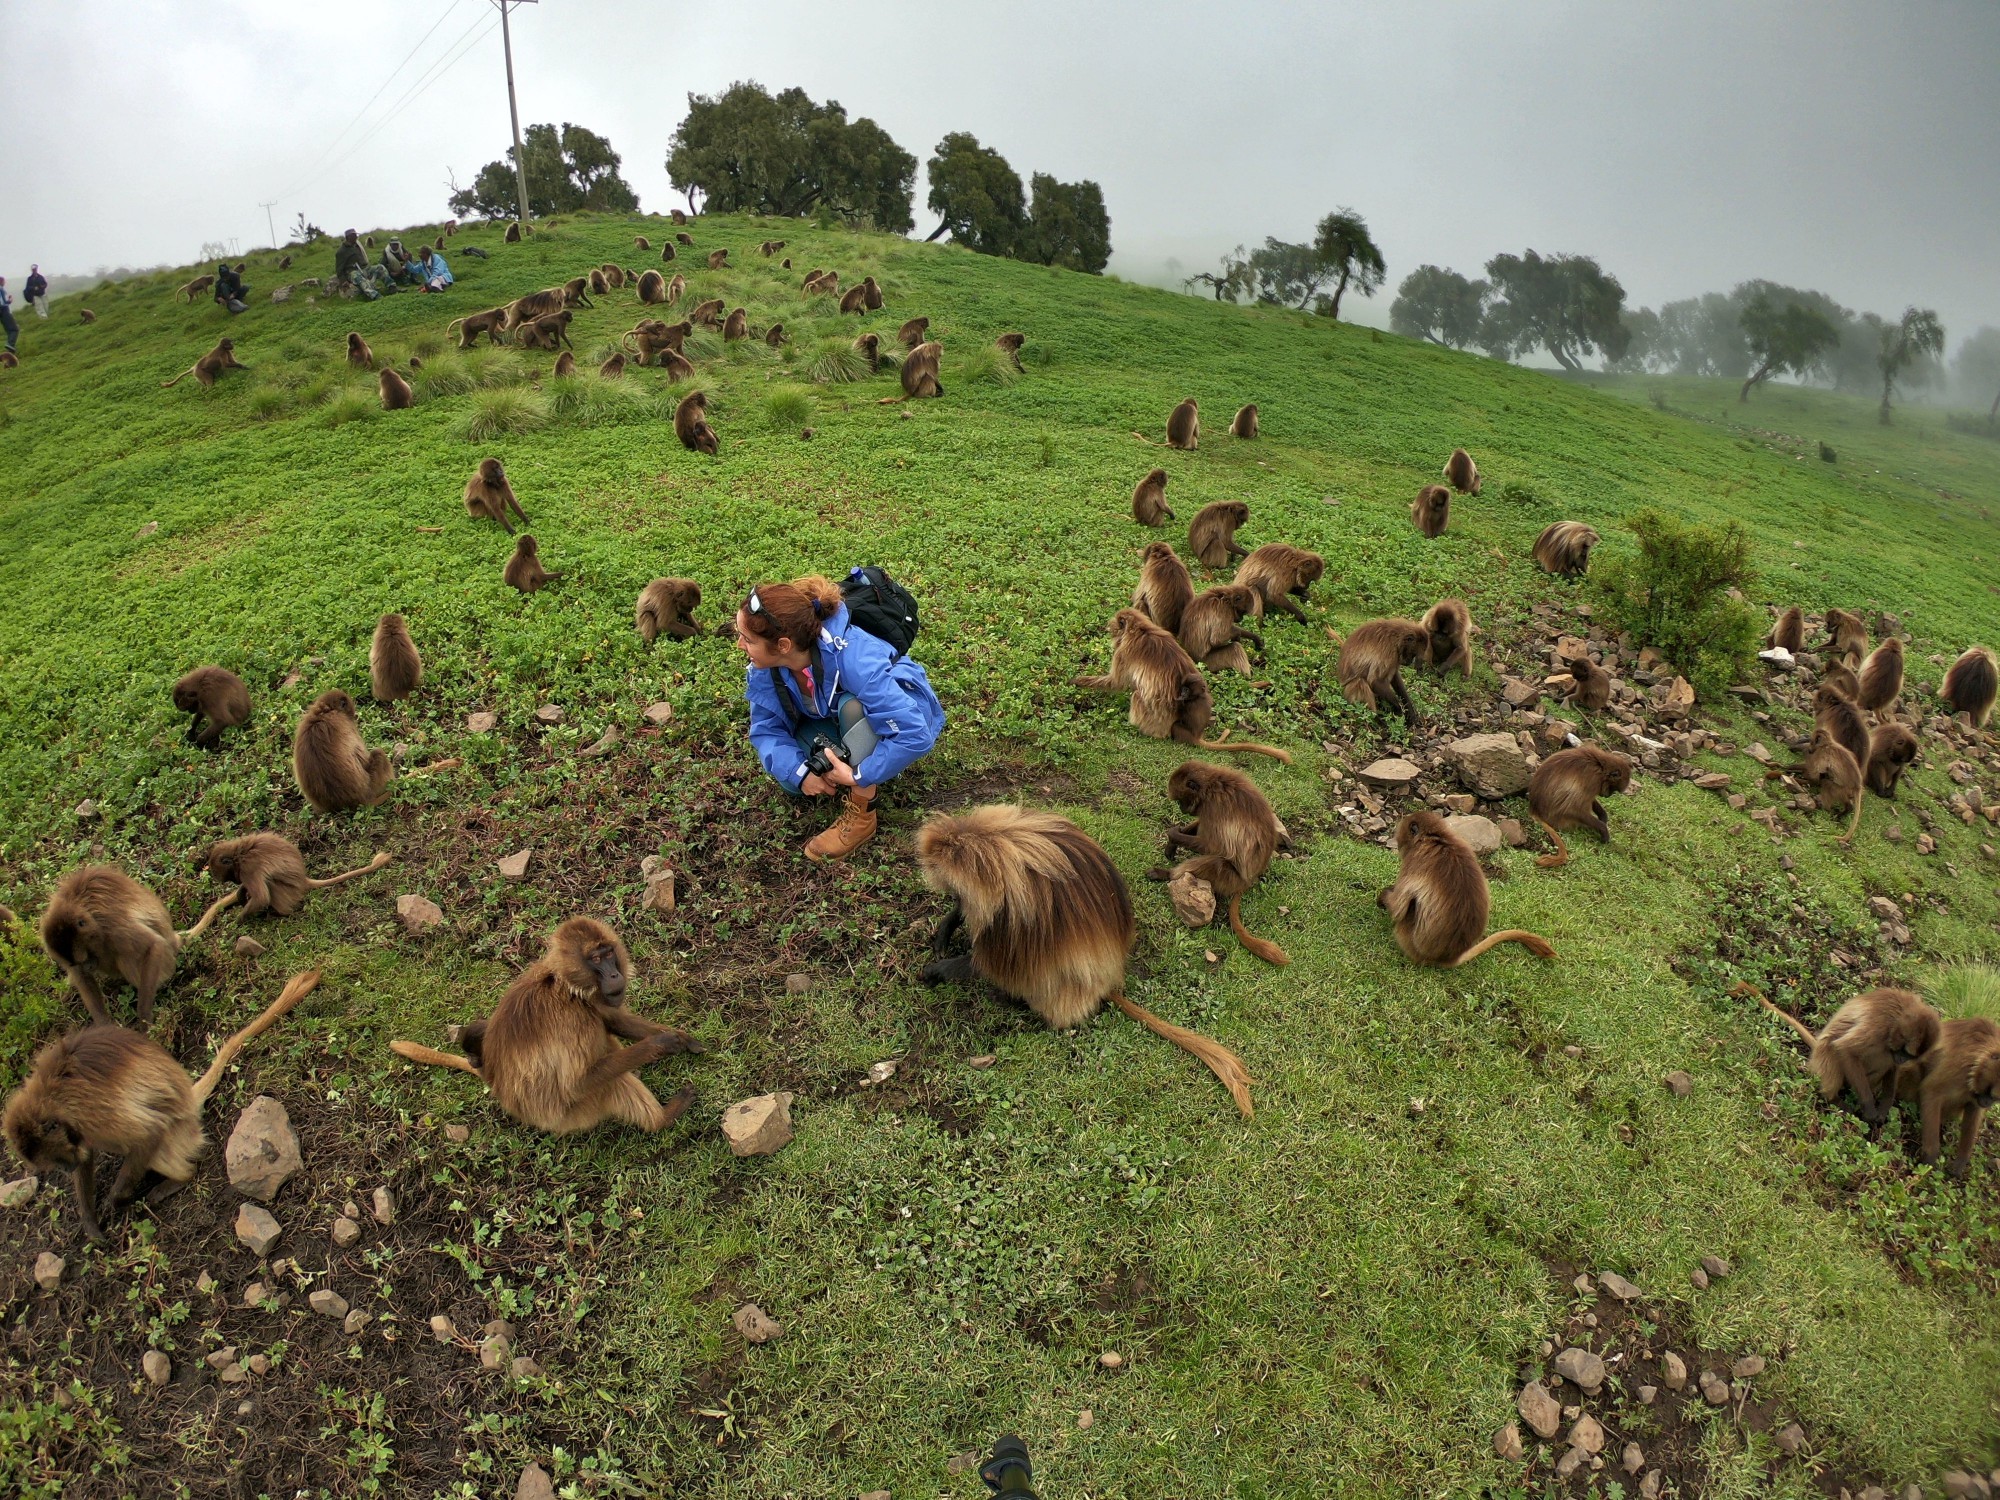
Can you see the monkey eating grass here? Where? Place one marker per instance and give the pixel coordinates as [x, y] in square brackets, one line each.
[1170, 697]
[1050, 921]
[101, 918]
[1868, 1040]
[1440, 902]
[107, 1089]
[1563, 794]
[1233, 837]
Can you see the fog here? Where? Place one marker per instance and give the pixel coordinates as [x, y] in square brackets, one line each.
[1846, 147]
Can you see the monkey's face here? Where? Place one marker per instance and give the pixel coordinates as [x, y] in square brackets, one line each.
[45, 1143]
[606, 963]
[1913, 1037]
[525, 546]
[1617, 771]
[1982, 1084]
[222, 863]
[687, 596]
[1188, 786]
[186, 699]
[1309, 574]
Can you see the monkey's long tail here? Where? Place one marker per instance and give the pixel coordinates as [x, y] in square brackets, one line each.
[1225, 1064]
[416, 1052]
[1854, 824]
[1264, 948]
[368, 869]
[1246, 749]
[215, 909]
[296, 989]
[178, 378]
[1561, 857]
[1538, 946]
[1745, 987]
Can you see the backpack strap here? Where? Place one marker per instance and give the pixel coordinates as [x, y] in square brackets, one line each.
[787, 695]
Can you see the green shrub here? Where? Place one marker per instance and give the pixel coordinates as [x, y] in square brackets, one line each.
[788, 408]
[1967, 990]
[984, 365]
[835, 362]
[1674, 596]
[444, 377]
[351, 405]
[497, 412]
[267, 403]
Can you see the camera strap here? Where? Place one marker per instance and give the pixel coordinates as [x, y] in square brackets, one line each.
[787, 693]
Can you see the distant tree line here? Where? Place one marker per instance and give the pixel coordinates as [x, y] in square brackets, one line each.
[1340, 258]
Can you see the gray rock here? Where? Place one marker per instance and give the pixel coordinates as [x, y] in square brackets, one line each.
[1679, 1084]
[263, 1151]
[535, 1484]
[257, 1230]
[1507, 1442]
[1193, 898]
[255, 1293]
[1749, 1367]
[1583, 1367]
[20, 1192]
[1648, 1394]
[355, 1321]
[221, 1359]
[1481, 834]
[258, 1364]
[443, 1329]
[1588, 1434]
[232, 1375]
[495, 1352]
[754, 1324]
[1882, 908]
[327, 1303]
[1619, 1287]
[1715, 1266]
[418, 914]
[1492, 765]
[1714, 1389]
[551, 713]
[1698, 1278]
[49, 1270]
[1649, 1487]
[1539, 1409]
[797, 984]
[383, 1206]
[458, 1135]
[1959, 1485]
[345, 1231]
[1393, 774]
[515, 866]
[524, 1368]
[1673, 1370]
[1633, 1459]
[157, 1367]
[759, 1126]
[248, 947]
[658, 714]
[1570, 1462]
[481, 723]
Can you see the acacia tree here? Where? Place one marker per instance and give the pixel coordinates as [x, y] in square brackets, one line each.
[1565, 303]
[1285, 275]
[1067, 225]
[1919, 333]
[568, 170]
[1792, 338]
[1230, 284]
[1345, 248]
[749, 151]
[976, 195]
[1439, 305]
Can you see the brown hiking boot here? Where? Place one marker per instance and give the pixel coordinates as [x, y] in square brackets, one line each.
[855, 827]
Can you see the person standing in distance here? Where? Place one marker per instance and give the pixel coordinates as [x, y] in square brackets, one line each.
[37, 291]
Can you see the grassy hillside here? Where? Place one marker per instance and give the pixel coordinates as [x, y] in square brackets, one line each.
[1342, 1296]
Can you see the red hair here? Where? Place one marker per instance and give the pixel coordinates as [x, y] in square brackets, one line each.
[791, 611]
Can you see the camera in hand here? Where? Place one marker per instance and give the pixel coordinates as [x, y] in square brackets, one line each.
[821, 753]
[1008, 1472]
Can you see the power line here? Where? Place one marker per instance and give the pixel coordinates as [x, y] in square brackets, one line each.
[328, 149]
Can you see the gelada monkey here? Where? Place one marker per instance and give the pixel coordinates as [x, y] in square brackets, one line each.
[488, 494]
[1010, 344]
[1882, 678]
[394, 668]
[1846, 638]
[334, 769]
[1439, 902]
[1868, 1039]
[1371, 662]
[1170, 698]
[1430, 512]
[1461, 473]
[107, 1090]
[666, 607]
[1564, 790]
[492, 323]
[1184, 426]
[210, 366]
[272, 872]
[396, 392]
[217, 695]
[1244, 424]
[1788, 632]
[1892, 749]
[1831, 768]
[1149, 500]
[1589, 684]
[551, 1053]
[1961, 1076]
[1838, 714]
[913, 332]
[1212, 532]
[524, 570]
[691, 424]
[1233, 837]
[1970, 686]
[1563, 548]
[1210, 632]
[1451, 630]
[1165, 587]
[1281, 574]
[1050, 922]
[870, 347]
[101, 919]
[920, 371]
[358, 353]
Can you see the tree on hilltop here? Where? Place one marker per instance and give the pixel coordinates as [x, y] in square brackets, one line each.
[1067, 225]
[568, 171]
[1791, 337]
[749, 151]
[1348, 253]
[976, 196]
[1565, 303]
[1903, 343]
[1439, 305]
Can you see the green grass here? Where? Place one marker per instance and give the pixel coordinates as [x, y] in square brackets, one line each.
[1334, 1298]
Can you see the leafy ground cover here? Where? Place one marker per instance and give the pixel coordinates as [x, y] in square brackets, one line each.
[1344, 1295]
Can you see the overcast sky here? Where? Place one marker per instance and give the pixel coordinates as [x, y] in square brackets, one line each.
[1688, 144]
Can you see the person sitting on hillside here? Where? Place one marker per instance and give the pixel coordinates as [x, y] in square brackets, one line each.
[351, 268]
[429, 270]
[832, 708]
[230, 289]
[396, 261]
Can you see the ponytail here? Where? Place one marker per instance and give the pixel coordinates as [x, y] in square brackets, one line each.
[792, 611]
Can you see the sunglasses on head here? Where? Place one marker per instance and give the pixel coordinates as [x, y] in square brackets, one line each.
[755, 606]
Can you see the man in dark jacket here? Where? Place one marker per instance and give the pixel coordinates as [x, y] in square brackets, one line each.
[37, 291]
[229, 288]
[350, 264]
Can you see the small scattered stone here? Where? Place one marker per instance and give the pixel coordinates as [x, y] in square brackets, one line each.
[1512, 833]
[1481, 834]
[1959, 1485]
[515, 866]
[248, 947]
[1539, 1409]
[1393, 774]
[524, 1368]
[1673, 1370]
[1583, 1286]
[1085, 1419]
[1417, 1106]
[1884, 910]
[1699, 1279]
[254, 1294]
[20, 1192]
[1618, 1286]
[1193, 898]
[1111, 1359]
[458, 1135]
[1588, 1434]
[1493, 765]
[662, 894]
[754, 1324]
[1633, 1459]
[1749, 1367]
[221, 1359]
[345, 1232]
[263, 1150]
[1679, 1084]
[481, 723]
[658, 714]
[356, 1320]
[86, 810]
[605, 744]
[443, 1329]
[383, 1206]
[1648, 1394]
[759, 1126]
[159, 1369]
[499, 1328]
[1570, 1462]
[328, 1303]
[550, 713]
[256, 1229]
[882, 1071]
[233, 1375]
[495, 1352]
[535, 1484]
[1583, 1367]
[149, 529]
[984, 1061]
[258, 1364]
[1507, 1442]
[1649, 1487]
[1714, 1389]
[797, 984]
[418, 914]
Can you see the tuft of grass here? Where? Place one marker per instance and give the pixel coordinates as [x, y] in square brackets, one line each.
[424, 345]
[834, 362]
[267, 403]
[499, 412]
[1968, 990]
[789, 407]
[351, 405]
[702, 344]
[445, 377]
[984, 365]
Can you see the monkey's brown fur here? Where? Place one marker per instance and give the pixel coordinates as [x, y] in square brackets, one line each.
[1891, 750]
[548, 332]
[1461, 473]
[1788, 632]
[358, 353]
[648, 339]
[1371, 662]
[334, 769]
[1212, 532]
[1149, 500]
[488, 494]
[873, 294]
[870, 345]
[775, 335]
[913, 332]
[612, 368]
[679, 216]
[1209, 630]
[492, 323]
[394, 668]
[770, 248]
[217, 695]
[193, 289]
[1184, 425]
[666, 607]
[101, 919]
[1280, 573]
[1863, 1046]
[550, 1053]
[717, 259]
[396, 392]
[599, 284]
[1439, 902]
[920, 371]
[1841, 679]
[1971, 685]
[210, 366]
[1589, 684]
[272, 872]
[534, 305]
[524, 569]
[1165, 587]
[691, 424]
[1563, 548]
[1846, 638]
[1451, 629]
[1431, 510]
[1244, 423]
[615, 276]
[855, 300]
[90, 317]
[652, 287]
[1840, 715]
[576, 291]
[1050, 922]
[736, 325]
[512, 236]
[107, 1090]
[1563, 793]
[1882, 678]
[1831, 767]
[1234, 836]
[707, 313]
[1170, 698]
[675, 287]
[1961, 1076]
[1010, 344]
[565, 368]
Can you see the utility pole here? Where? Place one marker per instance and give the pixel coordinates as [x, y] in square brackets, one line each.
[513, 110]
[269, 222]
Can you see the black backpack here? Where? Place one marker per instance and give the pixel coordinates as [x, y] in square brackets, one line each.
[881, 606]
